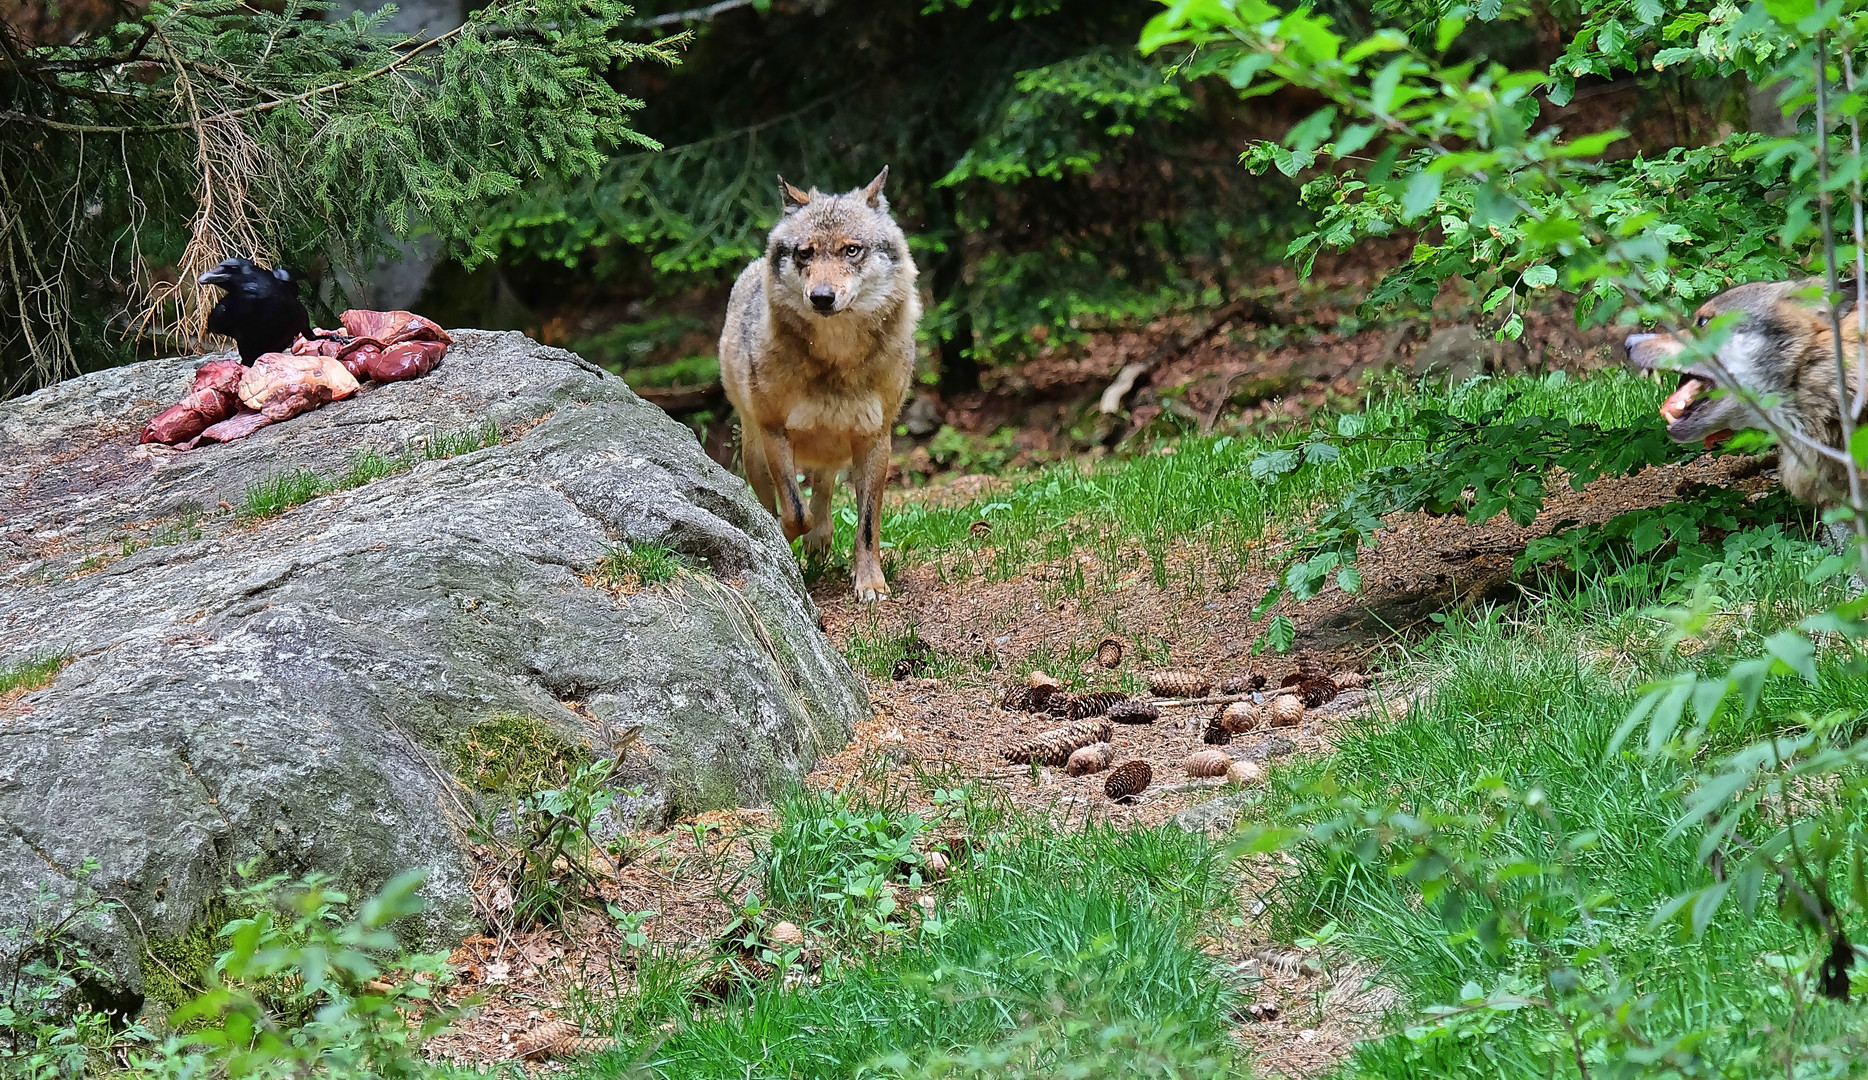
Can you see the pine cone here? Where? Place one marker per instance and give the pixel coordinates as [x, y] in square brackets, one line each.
[1060, 705]
[1216, 733]
[1109, 652]
[1240, 684]
[1093, 758]
[1028, 698]
[1094, 704]
[1128, 780]
[1241, 716]
[1316, 692]
[1208, 763]
[1350, 680]
[1286, 710]
[1172, 684]
[1054, 747]
[558, 1038]
[1244, 773]
[1133, 712]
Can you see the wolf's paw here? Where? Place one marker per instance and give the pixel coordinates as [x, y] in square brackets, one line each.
[817, 544]
[872, 591]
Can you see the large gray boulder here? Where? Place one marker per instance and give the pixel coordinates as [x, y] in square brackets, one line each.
[295, 690]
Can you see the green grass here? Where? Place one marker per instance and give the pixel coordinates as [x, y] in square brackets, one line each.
[1533, 701]
[1203, 493]
[34, 674]
[638, 566]
[281, 492]
[1087, 936]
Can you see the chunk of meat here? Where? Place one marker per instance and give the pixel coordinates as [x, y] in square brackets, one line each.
[283, 385]
[213, 397]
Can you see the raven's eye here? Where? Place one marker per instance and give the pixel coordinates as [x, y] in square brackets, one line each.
[853, 251]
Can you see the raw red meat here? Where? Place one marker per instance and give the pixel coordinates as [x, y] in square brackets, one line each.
[282, 385]
[408, 360]
[239, 426]
[213, 397]
[230, 402]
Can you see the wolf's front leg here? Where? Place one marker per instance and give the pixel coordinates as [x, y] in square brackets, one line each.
[791, 512]
[869, 474]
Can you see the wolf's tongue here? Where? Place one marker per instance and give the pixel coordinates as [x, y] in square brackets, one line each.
[1682, 398]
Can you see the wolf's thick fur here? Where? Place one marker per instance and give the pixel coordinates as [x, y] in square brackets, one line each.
[817, 355]
[1781, 348]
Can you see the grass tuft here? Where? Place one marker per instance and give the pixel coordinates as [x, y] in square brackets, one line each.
[630, 567]
[35, 674]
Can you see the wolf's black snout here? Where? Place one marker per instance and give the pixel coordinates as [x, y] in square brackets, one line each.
[1635, 339]
[823, 298]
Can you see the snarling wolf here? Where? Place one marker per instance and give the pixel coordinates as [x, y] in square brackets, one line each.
[817, 354]
[1780, 353]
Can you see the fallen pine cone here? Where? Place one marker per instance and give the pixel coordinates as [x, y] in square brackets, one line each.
[1128, 780]
[1109, 652]
[1241, 716]
[1316, 692]
[1350, 680]
[1285, 710]
[1244, 773]
[1173, 684]
[1216, 733]
[1054, 747]
[1038, 680]
[784, 935]
[1208, 763]
[1131, 711]
[981, 527]
[936, 862]
[1241, 684]
[1097, 704]
[1028, 698]
[1093, 758]
[558, 1038]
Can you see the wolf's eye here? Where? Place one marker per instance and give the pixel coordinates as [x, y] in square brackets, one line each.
[804, 254]
[1703, 321]
[852, 251]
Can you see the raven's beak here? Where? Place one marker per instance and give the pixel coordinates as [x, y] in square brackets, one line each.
[217, 276]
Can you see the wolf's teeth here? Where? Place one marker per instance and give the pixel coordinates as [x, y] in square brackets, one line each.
[1682, 399]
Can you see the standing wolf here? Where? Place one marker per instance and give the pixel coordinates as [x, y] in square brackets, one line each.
[1781, 350]
[816, 356]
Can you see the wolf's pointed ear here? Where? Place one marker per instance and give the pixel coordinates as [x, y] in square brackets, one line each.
[790, 197]
[873, 192]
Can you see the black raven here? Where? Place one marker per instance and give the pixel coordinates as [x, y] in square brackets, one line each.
[261, 310]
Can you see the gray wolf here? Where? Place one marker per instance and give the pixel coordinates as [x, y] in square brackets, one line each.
[261, 310]
[1781, 349]
[816, 356]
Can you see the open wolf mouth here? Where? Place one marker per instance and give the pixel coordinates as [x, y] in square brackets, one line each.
[1692, 393]
[1685, 400]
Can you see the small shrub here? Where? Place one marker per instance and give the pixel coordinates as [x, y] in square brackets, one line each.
[843, 864]
[555, 844]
